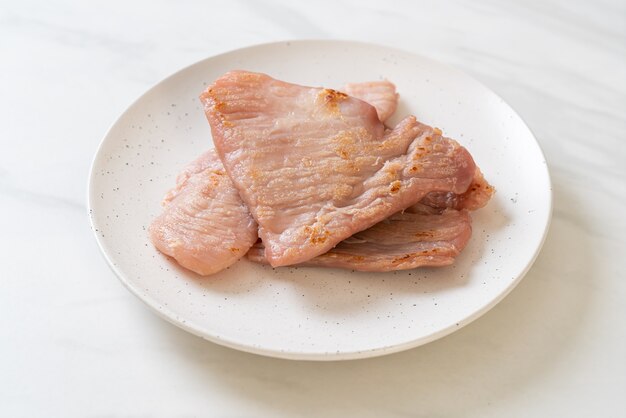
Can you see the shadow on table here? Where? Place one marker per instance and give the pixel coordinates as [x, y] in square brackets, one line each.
[516, 344]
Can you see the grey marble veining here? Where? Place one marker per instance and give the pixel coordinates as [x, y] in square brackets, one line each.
[74, 342]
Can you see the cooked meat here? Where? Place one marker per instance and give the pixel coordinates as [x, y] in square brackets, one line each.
[380, 94]
[315, 166]
[402, 241]
[477, 196]
[205, 225]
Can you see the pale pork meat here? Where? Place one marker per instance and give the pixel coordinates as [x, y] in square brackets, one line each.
[403, 241]
[380, 94]
[315, 166]
[383, 96]
[204, 225]
[477, 196]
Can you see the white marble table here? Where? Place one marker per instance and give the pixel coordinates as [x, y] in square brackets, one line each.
[75, 343]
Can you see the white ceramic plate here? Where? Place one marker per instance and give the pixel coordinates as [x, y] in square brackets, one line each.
[315, 313]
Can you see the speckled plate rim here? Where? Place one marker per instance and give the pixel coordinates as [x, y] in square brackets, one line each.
[170, 316]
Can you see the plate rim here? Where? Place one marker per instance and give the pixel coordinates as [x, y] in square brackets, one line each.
[170, 316]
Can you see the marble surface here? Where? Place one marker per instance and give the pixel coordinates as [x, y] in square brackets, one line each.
[75, 343]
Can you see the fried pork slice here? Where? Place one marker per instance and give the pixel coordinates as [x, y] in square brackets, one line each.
[477, 196]
[380, 94]
[315, 166]
[403, 241]
[205, 225]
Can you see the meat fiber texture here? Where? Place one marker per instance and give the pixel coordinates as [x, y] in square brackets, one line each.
[380, 94]
[477, 195]
[430, 233]
[315, 166]
[405, 240]
[205, 225]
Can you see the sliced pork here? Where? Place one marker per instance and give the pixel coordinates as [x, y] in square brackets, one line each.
[402, 241]
[380, 94]
[477, 196]
[315, 166]
[205, 225]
